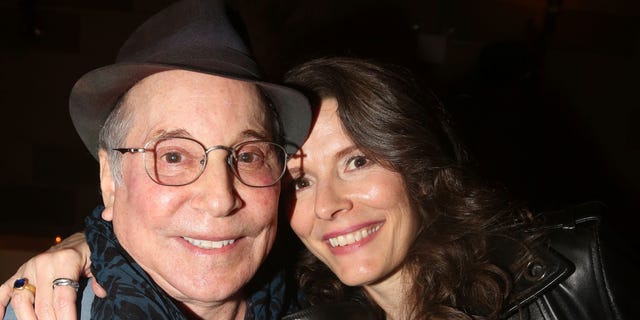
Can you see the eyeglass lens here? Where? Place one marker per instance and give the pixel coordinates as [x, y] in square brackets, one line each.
[180, 161]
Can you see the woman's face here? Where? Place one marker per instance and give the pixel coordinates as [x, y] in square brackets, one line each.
[349, 211]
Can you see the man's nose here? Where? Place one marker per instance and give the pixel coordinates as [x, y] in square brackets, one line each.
[331, 198]
[215, 191]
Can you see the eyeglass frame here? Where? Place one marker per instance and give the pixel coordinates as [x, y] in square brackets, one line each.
[229, 160]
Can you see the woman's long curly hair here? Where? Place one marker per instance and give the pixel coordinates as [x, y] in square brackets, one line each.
[453, 260]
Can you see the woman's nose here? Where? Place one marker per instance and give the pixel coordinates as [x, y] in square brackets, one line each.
[331, 198]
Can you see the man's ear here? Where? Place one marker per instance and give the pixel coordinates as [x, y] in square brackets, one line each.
[107, 185]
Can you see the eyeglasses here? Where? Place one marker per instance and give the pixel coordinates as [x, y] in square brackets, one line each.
[178, 161]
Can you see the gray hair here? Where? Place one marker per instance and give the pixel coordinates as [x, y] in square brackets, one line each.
[113, 135]
[116, 127]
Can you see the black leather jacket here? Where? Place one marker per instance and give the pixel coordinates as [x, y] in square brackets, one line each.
[583, 274]
[587, 273]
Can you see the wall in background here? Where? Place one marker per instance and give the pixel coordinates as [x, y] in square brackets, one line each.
[545, 91]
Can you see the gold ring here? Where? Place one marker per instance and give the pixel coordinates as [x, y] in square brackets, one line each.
[23, 284]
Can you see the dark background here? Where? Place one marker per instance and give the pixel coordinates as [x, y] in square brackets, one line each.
[545, 91]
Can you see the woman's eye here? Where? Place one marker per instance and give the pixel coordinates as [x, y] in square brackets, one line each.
[357, 162]
[300, 183]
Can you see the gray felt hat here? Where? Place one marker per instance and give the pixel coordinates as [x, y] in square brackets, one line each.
[194, 35]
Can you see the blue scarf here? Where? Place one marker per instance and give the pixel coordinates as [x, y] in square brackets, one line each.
[132, 294]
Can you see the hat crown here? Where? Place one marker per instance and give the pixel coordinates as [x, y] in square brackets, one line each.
[188, 33]
[192, 35]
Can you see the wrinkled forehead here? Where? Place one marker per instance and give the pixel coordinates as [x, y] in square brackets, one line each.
[188, 87]
[199, 102]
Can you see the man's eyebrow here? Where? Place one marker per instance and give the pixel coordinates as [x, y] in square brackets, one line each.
[253, 134]
[170, 134]
[244, 135]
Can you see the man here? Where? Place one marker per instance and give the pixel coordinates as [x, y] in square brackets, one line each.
[190, 151]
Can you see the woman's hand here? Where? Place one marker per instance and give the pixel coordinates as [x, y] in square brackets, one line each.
[68, 259]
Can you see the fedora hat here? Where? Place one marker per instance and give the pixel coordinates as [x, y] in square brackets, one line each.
[193, 35]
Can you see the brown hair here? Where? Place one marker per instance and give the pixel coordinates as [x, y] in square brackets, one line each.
[405, 128]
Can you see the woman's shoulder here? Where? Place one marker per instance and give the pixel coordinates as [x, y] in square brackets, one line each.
[582, 271]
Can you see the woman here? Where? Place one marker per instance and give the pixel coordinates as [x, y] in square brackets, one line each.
[383, 200]
[382, 197]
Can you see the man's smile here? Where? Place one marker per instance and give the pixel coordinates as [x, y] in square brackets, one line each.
[207, 244]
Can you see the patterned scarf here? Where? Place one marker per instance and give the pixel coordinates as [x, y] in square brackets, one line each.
[132, 294]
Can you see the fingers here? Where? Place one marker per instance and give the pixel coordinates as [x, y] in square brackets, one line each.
[98, 290]
[69, 259]
[65, 260]
[22, 300]
[5, 295]
[50, 302]
[56, 302]
[64, 298]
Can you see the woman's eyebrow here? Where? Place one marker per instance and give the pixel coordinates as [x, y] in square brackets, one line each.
[296, 173]
[345, 151]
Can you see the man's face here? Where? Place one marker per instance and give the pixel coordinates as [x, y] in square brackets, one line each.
[181, 235]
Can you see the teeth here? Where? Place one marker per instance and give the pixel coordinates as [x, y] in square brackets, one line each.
[351, 238]
[204, 244]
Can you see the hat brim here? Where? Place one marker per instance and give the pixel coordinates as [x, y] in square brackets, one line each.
[95, 94]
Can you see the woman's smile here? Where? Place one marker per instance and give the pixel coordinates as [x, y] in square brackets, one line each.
[359, 237]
